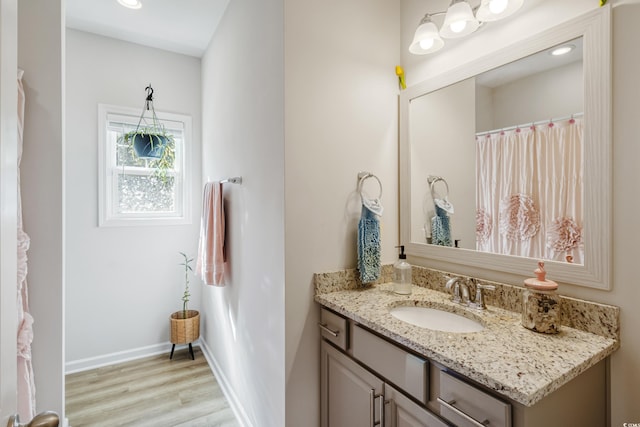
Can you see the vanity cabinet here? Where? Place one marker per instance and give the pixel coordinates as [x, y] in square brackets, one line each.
[407, 371]
[333, 328]
[351, 396]
[403, 412]
[468, 406]
[368, 380]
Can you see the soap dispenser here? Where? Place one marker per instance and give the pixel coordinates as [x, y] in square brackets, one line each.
[541, 304]
[402, 274]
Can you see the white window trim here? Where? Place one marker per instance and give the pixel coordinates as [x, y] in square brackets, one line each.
[105, 183]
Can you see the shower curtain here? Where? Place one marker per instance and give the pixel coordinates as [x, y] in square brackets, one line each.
[529, 191]
[26, 385]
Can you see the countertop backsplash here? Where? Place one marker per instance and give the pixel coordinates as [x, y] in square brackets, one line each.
[592, 317]
[344, 280]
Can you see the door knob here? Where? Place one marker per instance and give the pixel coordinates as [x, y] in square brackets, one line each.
[45, 419]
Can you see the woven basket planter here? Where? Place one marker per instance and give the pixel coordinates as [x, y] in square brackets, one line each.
[185, 330]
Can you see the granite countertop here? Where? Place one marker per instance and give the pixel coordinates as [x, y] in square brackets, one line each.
[518, 363]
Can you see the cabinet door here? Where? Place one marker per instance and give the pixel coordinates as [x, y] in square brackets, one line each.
[350, 395]
[403, 412]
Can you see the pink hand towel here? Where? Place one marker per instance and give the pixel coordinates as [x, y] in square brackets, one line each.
[211, 259]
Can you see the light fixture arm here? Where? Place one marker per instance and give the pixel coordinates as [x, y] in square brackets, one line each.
[428, 16]
[444, 12]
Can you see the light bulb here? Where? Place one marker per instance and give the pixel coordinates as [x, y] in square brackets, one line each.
[498, 6]
[458, 26]
[426, 43]
[494, 10]
[426, 38]
[131, 4]
[458, 20]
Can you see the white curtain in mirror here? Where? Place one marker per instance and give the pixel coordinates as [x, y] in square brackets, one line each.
[516, 170]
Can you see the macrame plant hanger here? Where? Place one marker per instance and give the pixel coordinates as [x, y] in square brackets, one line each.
[150, 141]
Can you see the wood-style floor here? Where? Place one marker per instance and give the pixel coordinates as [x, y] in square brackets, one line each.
[154, 391]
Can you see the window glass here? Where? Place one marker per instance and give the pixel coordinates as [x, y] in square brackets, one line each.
[135, 190]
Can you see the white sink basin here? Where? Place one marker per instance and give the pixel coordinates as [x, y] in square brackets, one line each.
[438, 320]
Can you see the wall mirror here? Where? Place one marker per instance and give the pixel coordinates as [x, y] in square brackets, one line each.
[506, 160]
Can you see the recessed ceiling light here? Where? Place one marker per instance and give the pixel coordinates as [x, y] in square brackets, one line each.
[131, 4]
[562, 50]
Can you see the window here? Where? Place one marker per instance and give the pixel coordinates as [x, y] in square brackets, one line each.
[131, 191]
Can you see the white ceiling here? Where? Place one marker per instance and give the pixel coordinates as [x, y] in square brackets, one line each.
[530, 65]
[183, 26]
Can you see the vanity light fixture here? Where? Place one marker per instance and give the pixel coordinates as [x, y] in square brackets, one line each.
[427, 39]
[131, 4]
[562, 50]
[459, 21]
[493, 10]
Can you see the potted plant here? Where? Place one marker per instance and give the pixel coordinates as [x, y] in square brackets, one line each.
[151, 141]
[185, 324]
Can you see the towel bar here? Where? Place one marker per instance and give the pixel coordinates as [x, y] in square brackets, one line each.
[234, 180]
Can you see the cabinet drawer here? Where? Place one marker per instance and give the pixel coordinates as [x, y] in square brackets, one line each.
[406, 371]
[458, 398]
[333, 328]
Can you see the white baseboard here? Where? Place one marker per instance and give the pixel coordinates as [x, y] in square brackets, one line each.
[232, 398]
[80, 365]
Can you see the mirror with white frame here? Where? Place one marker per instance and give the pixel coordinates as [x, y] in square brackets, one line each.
[450, 127]
[488, 129]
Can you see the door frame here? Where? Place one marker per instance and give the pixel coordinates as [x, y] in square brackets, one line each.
[8, 206]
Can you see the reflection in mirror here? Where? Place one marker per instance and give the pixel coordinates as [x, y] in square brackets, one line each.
[509, 144]
[444, 118]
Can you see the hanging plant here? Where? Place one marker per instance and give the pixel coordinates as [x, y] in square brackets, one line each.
[147, 144]
[151, 141]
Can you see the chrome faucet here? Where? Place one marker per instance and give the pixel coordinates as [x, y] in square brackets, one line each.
[453, 282]
[459, 289]
[461, 295]
[478, 303]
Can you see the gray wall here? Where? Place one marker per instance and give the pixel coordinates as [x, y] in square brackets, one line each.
[122, 283]
[243, 135]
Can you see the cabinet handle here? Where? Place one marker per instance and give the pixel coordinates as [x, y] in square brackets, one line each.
[327, 330]
[372, 406]
[467, 417]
